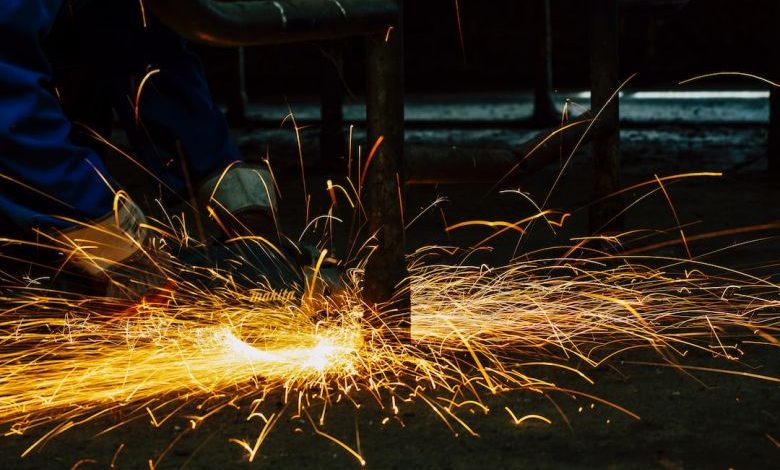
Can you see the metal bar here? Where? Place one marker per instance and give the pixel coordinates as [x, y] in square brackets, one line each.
[604, 75]
[261, 22]
[544, 110]
[385, 286]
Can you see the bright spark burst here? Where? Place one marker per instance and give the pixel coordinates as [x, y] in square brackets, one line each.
[477, 331]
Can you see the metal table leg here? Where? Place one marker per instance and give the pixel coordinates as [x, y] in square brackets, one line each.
[604, 71]
[386, 272]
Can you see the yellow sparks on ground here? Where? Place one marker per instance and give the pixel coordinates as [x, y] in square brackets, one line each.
[207, 341]
[230, 345]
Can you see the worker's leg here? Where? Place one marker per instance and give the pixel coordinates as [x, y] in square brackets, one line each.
[42, 173]
[49, 183]
[178, 126]
[172, 122]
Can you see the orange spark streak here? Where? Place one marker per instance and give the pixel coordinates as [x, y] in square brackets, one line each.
[143, 13]
[116, 454]
[676, 218]
[252, 451]
[737, 74]
[751, 375]
[317, 267]
[525, 418]
[343, 191]
[336, 441]
[704, 236]
[460, 29]
[400, 198]
[332, 193]
[487, 223]
[137, 108]
[370, 157]
[36, 191]
[653, 181]
[538, 146]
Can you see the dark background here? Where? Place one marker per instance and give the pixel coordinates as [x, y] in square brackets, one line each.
[662, 44]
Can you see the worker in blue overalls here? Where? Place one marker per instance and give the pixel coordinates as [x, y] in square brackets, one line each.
[53, 187]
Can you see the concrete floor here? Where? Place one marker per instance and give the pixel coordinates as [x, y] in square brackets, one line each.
[716, 421]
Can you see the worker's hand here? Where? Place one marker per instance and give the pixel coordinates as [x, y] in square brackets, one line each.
[114, 257]
[145, 274]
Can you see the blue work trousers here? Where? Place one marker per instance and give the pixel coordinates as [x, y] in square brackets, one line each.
[46, 176]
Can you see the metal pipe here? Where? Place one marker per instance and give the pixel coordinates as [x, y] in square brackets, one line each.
[386, 280]
[262, 22]
[545, 112]
[604, 76]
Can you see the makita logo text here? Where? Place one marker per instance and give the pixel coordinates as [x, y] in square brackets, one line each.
[266, 296]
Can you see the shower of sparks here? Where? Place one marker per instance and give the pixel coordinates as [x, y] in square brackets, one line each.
[208, 340]
[477, 331]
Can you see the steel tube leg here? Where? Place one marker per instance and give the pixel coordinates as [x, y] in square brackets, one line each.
[604, 71]
[385, 286]
[544, 109]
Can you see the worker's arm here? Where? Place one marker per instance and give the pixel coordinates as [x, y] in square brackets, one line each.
[61, 190]
[42, 172]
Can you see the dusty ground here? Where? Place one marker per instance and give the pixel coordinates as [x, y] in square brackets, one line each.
[707, 420]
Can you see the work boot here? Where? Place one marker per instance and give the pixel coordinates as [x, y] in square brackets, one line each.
[242, 201]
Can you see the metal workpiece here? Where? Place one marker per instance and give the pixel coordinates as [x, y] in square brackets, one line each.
[386, 274]
[262, 22]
